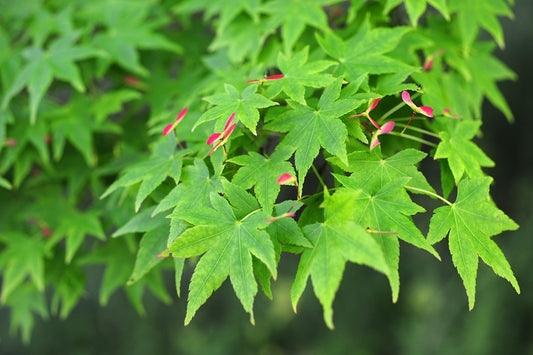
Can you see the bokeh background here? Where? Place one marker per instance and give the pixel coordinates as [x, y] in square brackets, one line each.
[430, 317]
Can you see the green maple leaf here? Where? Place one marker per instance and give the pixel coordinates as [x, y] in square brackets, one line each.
[416, 8]
[244, 38]
[374, 172]
[22, 257]
[226, 11]
[23, 302]
[388, 210]
[463, 155]
[194, 189]
[469, 223]
[69, 285]
[309, 128]
[165, 161]
[294, 15]
[244, 105]
[335, 241]
[127, 30]
[57, 61]
[364, 53]
[119, 261]
[262, 173]
[485, 70]
[73, 227]
[226, 244]
[298, 74]
[473, 14]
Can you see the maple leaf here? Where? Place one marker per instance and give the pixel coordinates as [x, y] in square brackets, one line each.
[335, 241]
[294, 15]
[374, 172]
[416, 8]
[73, 227]
[43, 65]
[194, 189]
[164, 162]
[23, 256]
[119, 261]
[24, 301]
[470, 222]
[245, 106]
[125, 32]
[310, 128]
[244, 38]
[389, 211]
[473, 14]
[262, 173]
[226, 244]
[298, 74]
[226, 11]
[463, 156]
[364, 53]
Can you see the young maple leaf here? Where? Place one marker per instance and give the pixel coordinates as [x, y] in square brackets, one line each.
[416, 8]
[463, 155]
[470, 222]
[472, 15]
[245, 106]
[262, 173]
[226, 244]
[309, 129]
[373, 171]
[335, 241]
[194, 189]
[22, 257]
[364, 53]
[165, 161]
[298, 74]
[389, 210]
[293, 16]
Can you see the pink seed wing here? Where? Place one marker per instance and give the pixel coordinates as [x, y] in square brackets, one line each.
[426, 111]
[407, 98]
[374, 142]
[181, 115]
[275, 77]
[284, 178]
[373, 104]
[387, 127]
[168, 128]
[230, 130]
[228, 123]
[213, 138]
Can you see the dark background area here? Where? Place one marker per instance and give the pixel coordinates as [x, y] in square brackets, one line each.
[430, 317]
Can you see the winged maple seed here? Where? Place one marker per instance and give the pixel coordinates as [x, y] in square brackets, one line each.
[430, 59]
[268, 78]
[446, 113]
[173, 125]
[287, 179]
[222, 138]
[424, 110]
[386, 128]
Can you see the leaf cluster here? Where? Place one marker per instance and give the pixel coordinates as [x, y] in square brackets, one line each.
[87, 89]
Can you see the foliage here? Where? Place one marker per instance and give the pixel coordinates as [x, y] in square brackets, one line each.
[88, 177]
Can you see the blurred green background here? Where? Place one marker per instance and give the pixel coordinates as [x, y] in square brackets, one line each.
[430, 317]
